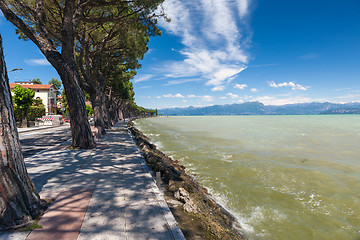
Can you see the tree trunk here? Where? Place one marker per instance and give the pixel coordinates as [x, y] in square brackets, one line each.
[96, 105]
[105, 110]
[24, 121]
[19, 201]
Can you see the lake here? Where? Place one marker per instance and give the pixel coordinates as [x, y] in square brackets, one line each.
[283, 177]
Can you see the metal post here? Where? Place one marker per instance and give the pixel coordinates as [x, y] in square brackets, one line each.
[158, 179]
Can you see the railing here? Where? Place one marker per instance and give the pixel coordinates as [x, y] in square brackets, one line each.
[44, 121]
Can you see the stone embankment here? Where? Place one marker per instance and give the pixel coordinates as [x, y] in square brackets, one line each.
[196, 201]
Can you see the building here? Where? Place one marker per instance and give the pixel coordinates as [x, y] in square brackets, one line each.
[46, 92]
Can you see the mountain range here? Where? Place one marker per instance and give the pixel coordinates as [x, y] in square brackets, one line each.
[257, 108]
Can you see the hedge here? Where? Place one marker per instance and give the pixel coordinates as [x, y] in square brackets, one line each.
[34, 112]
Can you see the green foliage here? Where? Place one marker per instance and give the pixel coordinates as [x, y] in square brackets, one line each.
[140, 111]
[56, 82]
[36, 112]
[36, 80]
[23, 97]
[38, 103]
[33, 113]
[64, 103]
[89, 110]
[33, 226]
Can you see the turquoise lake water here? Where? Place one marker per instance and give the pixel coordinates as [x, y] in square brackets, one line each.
[283, 177]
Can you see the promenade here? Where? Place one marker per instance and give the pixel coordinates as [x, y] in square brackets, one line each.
[102, 193]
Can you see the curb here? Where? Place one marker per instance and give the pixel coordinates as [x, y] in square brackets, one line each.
[30, 129]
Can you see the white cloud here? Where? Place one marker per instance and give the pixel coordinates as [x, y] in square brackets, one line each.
[180, 81]
[254, 90]
[243, 7]
[240, 86]
[218, 88]
[214, 46]
[293, 85]
[207, 98]
[233, 96]
[267, 100]
[143, 78]
[144, 87]
[178, 95]
[38, 62]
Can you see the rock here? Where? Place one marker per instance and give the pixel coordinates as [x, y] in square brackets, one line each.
[174, 203]
[190, 207]
[184, 196]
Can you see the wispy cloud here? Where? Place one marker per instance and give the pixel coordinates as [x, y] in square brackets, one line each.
[144, 87]
[178, 95]
[293, 85]
[254, 90]
[143, 78]
[214, 46]
[37, 62]
[263, 65]
[181, 81]
[269, 100]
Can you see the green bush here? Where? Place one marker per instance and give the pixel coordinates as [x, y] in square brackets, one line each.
[34, 112]
[18, 113]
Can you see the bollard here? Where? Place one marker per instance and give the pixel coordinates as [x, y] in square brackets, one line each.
[158, 179]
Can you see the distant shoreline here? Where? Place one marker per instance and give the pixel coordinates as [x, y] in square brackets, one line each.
[257, 108]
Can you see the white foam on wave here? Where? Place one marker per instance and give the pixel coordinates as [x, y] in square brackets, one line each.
[246, 221]
[226, 157]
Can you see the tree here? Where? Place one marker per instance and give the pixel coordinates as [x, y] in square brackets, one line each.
[106, 46]
[57, 84]
[23, 98]
[36, 81]
[53, 25]
[19, 201]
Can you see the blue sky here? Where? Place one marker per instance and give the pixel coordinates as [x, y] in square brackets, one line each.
[233, 51]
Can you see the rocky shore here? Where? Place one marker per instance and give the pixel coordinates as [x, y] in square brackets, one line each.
[198, 215]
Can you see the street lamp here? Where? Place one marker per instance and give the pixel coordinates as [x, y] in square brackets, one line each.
[15, 69]
[50, 113]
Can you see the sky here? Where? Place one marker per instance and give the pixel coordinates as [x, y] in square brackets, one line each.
[232, 51]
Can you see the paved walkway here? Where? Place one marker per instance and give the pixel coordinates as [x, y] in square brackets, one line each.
[103, 193]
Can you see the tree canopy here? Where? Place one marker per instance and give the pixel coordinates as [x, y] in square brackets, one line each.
[36, 81]
[56, 27]
[23, 97]
[56, 83]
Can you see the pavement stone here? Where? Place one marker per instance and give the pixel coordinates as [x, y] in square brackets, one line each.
[102, 193]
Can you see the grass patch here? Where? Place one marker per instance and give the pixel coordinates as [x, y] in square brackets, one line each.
[31, 227]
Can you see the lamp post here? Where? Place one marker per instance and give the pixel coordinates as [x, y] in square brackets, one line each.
[15, 69]
[50, 105]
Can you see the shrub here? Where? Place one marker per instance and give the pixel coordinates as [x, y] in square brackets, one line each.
[36, 112]
[33, 113]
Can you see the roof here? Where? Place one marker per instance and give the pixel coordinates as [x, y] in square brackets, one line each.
[33, 86]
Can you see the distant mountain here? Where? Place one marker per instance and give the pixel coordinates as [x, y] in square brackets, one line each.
[257, 108]
[343, 111]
